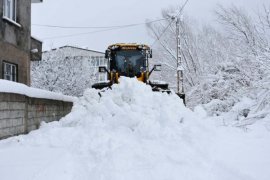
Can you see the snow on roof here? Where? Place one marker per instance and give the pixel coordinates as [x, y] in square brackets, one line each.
[18, 88]
[34, 37]
[36, 1]
[80, 48]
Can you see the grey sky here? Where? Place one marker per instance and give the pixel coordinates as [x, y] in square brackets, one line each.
[114, 12]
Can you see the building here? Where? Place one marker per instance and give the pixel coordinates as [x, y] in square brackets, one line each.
[17, 47]
[89, 58]
[68, 69]
[92, 59]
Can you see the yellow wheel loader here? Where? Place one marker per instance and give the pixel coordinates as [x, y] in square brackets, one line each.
[130, 60]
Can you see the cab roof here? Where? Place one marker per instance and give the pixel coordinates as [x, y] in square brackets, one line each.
[128, 45]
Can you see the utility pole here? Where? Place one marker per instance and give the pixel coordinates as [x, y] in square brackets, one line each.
[179, 67]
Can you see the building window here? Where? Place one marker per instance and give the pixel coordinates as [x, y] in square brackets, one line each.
[98, 61]
[9, 71]
[102, 61]
[10, 9]
[102, 76]
[93, 62]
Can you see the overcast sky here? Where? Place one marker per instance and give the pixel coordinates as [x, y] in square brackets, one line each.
[111, 13]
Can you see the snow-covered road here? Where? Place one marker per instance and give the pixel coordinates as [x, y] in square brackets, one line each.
[134, 133]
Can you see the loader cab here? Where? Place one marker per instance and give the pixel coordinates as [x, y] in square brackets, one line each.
[128, 60]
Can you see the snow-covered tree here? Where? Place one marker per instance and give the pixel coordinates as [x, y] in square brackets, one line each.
[225, 62]
[66, 70]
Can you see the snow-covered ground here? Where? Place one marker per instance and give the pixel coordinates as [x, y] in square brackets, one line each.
[134, 133]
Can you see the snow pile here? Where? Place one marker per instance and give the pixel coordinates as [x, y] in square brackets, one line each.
[18, 88]
[244, 108]
[133, 133]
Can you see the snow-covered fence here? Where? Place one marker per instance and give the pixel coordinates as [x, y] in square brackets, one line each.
[22, 108]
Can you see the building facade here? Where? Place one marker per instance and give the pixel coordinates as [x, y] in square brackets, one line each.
[90, 58]
[17, 47]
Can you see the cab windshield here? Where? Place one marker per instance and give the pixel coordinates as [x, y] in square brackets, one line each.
[129, 62]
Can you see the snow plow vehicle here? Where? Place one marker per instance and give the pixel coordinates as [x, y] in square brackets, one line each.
[131, 60]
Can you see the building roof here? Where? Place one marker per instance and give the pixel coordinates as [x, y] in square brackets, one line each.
[34, 37]
[68, 46]
[74, 47]
[132, 45]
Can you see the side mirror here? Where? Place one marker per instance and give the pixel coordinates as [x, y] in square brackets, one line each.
[106, 54]
[150, 54]
[102, 69]
[157, 67]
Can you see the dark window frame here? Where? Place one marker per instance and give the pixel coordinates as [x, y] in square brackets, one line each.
[16, 70]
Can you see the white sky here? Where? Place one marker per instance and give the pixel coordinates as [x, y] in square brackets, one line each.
[114, 12]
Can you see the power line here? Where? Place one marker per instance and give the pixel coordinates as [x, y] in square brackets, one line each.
[78, 34]
[95, 27]
[107, 28]
[163, 32]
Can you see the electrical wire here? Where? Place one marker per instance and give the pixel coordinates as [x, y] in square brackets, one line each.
[160, 36]
[78, 34]
[163, 32]
[108, 28]
[96, 27]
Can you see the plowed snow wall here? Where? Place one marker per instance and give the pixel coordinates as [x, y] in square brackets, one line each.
[20, 114]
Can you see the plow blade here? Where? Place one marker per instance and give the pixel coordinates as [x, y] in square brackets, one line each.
[101, 85]
[164, 87]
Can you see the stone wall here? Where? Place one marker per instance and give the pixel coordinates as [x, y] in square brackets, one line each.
[20, 114]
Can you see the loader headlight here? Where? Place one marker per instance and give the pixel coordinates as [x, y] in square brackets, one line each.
[142, 47]
[115, 47]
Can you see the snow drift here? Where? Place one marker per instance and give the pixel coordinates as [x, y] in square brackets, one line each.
[133, 133]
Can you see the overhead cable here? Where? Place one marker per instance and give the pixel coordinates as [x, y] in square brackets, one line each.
[163, 32]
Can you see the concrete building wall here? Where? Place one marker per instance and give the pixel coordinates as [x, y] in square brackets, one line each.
[19, 36]
[20, 114]
[11, 54]
[15, 40]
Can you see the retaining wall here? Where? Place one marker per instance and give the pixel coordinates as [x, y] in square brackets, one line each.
[20, 114]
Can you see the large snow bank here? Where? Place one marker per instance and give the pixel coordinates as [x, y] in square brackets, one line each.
[243, 109]
[18, 88]
[134, 133]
